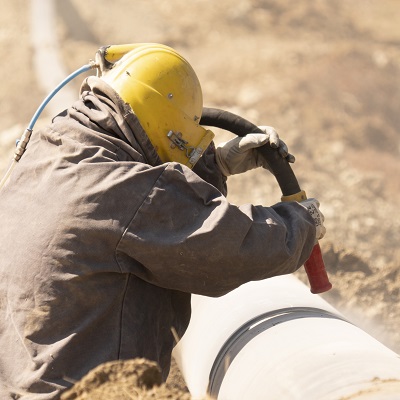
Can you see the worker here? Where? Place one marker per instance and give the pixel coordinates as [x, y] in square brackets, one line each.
[116, 213]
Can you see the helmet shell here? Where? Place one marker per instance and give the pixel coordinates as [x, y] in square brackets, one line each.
[165, 94]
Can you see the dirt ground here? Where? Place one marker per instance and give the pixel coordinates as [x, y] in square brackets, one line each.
[325, 74]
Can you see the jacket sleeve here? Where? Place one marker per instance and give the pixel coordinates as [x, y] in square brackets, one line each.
[187, 236]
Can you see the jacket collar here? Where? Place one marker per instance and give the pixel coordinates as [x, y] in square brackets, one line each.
[101, 109]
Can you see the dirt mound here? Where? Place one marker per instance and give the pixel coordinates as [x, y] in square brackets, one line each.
[137, 379]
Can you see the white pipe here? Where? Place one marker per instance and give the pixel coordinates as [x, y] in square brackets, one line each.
[273, 339]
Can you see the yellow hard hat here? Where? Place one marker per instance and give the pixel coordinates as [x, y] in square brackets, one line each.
[165, 94]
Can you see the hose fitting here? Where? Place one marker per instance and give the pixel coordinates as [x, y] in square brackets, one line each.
[22, 143]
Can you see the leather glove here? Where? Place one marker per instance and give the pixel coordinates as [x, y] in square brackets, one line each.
[240, 154]
[312, 206]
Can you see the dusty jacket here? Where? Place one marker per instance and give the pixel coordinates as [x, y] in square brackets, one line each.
[101, 246]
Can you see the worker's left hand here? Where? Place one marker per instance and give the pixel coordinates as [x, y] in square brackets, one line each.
[312, 206]
[240, 154]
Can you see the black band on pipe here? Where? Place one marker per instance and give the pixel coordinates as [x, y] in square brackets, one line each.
[238, 340]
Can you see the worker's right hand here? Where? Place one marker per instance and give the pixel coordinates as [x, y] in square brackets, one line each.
[312, 206]
[240, 154]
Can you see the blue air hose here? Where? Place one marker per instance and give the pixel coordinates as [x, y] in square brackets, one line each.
[23, 141]
[69, 78]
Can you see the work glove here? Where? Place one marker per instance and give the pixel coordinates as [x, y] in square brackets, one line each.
[312, 206]
[240, 154]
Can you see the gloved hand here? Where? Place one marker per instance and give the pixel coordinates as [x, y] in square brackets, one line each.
[312, 206]
[240, 154]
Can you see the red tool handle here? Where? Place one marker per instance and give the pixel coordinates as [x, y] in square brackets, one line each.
[314, 266]
[316, 272]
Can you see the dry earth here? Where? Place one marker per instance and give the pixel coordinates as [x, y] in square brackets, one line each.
[325, 74]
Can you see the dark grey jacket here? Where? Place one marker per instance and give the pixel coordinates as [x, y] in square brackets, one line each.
[101, 246]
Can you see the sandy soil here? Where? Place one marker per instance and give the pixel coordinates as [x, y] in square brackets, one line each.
[325, 74]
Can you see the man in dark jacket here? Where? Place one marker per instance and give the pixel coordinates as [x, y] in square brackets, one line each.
[113, 217]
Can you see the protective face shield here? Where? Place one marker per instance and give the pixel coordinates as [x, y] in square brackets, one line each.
[164, 93]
